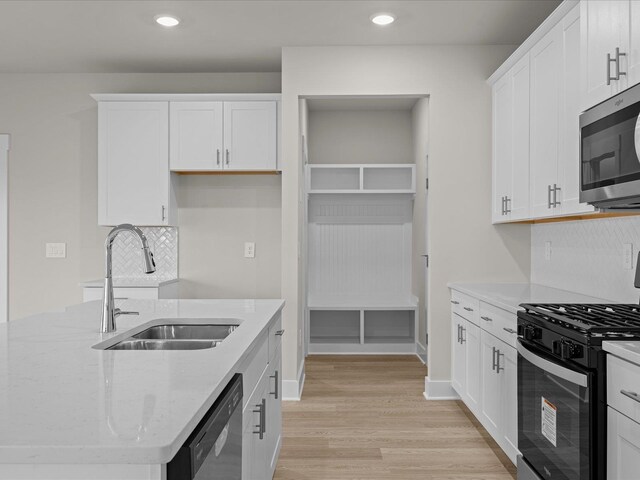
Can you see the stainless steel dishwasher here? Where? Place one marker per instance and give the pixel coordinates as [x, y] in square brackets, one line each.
[214, 450]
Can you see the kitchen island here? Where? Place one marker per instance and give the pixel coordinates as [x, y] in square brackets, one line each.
[71, 410]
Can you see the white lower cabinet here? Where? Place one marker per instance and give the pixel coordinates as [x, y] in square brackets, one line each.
[484, 372]
[623, 419]
[623, 446]
[262, 413]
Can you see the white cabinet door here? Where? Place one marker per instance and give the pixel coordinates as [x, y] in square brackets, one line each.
[254, 449]
[196, 136]
[250, 136]
[133, 163]
[518, 196]
[473, 368]
[569, 161]
[546, 65]
[274, 410]
[491, 415]
[509, 361]
[502, 142]
[458, 355]
[604, 26]
[623, 447]
[633, 73]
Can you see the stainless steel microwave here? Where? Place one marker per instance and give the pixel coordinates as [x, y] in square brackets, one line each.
[610, 152]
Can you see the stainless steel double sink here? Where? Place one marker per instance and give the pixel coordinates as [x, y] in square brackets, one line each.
[176, 337]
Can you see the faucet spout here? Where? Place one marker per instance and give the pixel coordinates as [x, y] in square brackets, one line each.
[109, 312]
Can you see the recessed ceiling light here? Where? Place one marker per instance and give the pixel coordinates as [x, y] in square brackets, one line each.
[383, 18]
[167, 20]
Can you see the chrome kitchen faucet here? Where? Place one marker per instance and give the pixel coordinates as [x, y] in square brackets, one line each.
[109, 312]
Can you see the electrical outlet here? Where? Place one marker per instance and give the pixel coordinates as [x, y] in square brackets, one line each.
[547, 251]
[56, 250]
[249, 250]
[627, 256]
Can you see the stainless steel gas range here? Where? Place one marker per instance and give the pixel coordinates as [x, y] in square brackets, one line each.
[561, 387]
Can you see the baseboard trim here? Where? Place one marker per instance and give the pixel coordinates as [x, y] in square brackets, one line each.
[439, 390]
[421, 352]
[292, 389]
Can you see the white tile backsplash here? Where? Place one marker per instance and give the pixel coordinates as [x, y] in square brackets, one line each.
[127, 254]
[587, 257]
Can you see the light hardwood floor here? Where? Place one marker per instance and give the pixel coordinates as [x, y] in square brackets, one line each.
[364, 418]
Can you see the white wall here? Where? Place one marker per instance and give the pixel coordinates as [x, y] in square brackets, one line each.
[463, 243]
[53, 181]
[587, 257]
[360, 136]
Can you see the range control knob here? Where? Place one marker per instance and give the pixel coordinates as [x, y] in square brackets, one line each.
[532, 333]
[567, 349]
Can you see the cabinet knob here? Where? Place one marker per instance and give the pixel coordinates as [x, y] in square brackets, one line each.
[280, 333]
[487, 319]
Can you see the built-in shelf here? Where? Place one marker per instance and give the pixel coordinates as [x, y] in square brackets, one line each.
[361, 178]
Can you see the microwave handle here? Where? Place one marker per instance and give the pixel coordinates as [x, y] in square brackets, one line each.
[553, 368]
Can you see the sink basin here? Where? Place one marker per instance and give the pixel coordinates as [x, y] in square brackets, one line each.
[139, 344]
[187, 332]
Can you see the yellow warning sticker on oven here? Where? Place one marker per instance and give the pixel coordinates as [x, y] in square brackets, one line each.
[549, 418]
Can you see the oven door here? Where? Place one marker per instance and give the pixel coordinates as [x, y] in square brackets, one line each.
[554, 416]
[610, 151]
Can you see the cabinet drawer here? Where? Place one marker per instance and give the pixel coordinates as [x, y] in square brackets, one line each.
[253, 367]
[275, 336]
[623, 446]
[623, 376]
[465, 306]
[500, 323]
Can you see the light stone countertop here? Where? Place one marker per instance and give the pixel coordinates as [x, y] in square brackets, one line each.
[122, 282]
[509, 296]
[64, 402]
[626, 349]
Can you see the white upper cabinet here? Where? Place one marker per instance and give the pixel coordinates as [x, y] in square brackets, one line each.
[211, 136]
[250, 136]
[546, 68]
[196, 135]
[133, 163]
[502, 142]
[605, 26]
[569, 167]
[511, 144]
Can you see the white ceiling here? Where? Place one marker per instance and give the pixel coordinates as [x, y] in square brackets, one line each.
[237, 36]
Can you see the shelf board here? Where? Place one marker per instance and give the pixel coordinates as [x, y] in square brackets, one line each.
[373, 340]
[335, 340]
[363, 302]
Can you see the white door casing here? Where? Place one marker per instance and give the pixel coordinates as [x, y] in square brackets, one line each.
[4, 228]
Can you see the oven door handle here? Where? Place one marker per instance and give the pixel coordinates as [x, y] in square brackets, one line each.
[553, 368]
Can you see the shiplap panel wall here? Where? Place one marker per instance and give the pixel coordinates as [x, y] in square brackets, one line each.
[359, 245]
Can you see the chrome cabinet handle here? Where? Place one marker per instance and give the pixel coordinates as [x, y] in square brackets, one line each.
[459, 333]
[280, 333]
[275, 377]
[163, 213]
[261, 409]
[218, 156]
[503, 205]
[468, 309]
[454, 302]
[609, 77]
[463, 337]
[487, 319]
[507, 207]
[632, 395]
[548, 196]
[556, 203]
[493, 361]
[509, 330]
[498, 355]
[227, 156]
[618, 55]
